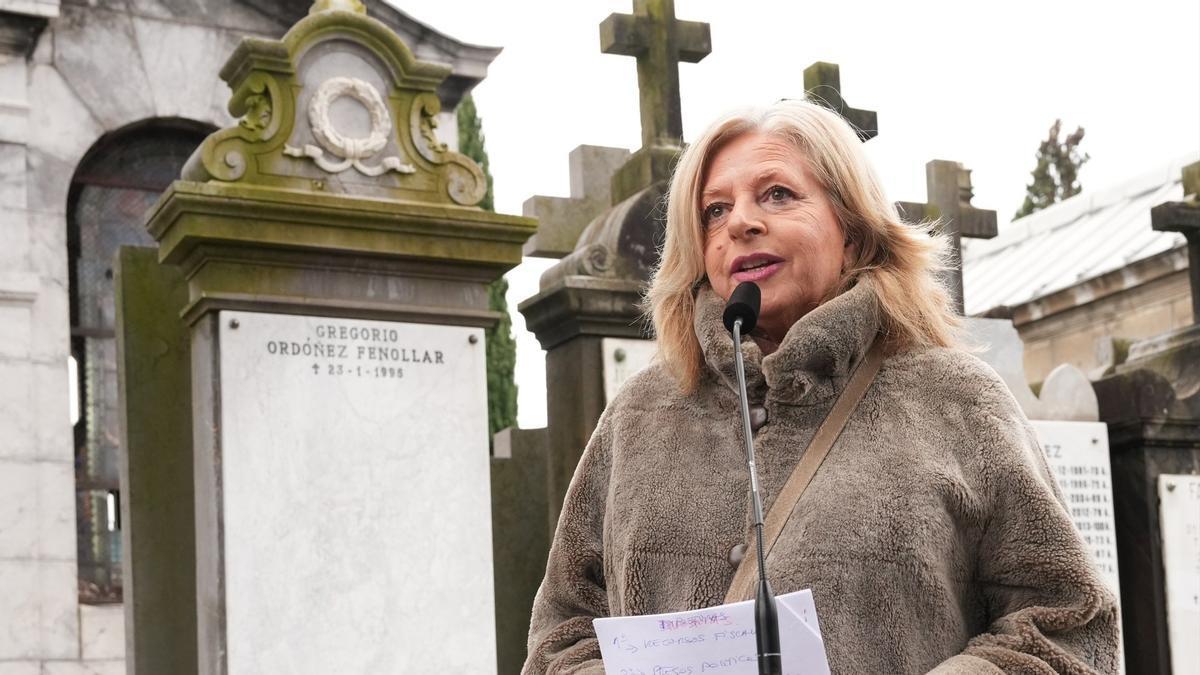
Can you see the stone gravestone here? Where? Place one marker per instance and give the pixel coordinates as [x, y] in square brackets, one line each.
[949, 190]
[1152, 407]
[337, 271]
[606, 235]
[156, 472]
[1184, 217]
[1179, 507]
[595, 290]
[562, 219]
[823, 85]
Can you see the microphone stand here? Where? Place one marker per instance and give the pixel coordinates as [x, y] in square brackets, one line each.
[766, 620]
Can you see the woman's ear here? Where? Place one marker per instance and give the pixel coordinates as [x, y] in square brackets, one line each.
[849, 253]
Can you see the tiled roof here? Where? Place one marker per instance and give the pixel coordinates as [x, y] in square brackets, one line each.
[1088, 235]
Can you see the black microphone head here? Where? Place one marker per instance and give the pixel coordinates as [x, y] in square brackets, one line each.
[743, 304]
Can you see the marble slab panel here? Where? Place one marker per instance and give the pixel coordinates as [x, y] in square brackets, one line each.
[18, 436]
[18, 509]
[58, 620]
[356, 503]
[66, 127]
[19, 607]
[102, 632]
[50, 334]
[20, 668]
[52, 410]
[623, 358]
[1077, 453]
[56, 511]
[12, 171]
[184, 54]
[99, 55]
[1179, 512]
[15, 330]
[109, 667]
[46, 251]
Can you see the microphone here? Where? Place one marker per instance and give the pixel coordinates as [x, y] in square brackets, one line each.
[743, 304]
[741, 315]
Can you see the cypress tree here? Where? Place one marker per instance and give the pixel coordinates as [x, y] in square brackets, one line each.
[1056, 175]
[501, 348]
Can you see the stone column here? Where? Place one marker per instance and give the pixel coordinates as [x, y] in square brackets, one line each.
[948, 185]
[1152, 407]
[39, 607]
[337, 271]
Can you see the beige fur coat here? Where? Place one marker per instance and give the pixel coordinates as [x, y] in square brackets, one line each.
[933, 538]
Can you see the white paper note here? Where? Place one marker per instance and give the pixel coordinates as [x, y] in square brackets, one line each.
[714, 640]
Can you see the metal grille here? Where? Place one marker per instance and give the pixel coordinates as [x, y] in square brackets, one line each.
[111, 192]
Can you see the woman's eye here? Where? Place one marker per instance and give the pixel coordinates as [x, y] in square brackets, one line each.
[778, 194]
[713, 212]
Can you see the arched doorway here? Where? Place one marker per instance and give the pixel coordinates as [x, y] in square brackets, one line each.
[118, 180]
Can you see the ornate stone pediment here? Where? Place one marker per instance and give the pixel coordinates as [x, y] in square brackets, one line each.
[340, 105]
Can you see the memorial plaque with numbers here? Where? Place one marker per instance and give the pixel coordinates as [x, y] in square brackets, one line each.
[355, 489]
[623, 358]
[1179, 511]
[1078, 455]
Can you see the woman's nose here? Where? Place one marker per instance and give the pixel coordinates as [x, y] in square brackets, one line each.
[745, 221]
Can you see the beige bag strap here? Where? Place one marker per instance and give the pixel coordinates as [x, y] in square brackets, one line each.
[742, 587]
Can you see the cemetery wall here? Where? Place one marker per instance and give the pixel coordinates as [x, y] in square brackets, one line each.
[1080, 330]
[86, 75]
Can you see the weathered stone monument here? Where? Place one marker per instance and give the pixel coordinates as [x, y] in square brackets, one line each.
[606, 234]
[1152, 407]
[823, 84]
[336, 272]
[948, 186]
[591, 170]
[594, 292]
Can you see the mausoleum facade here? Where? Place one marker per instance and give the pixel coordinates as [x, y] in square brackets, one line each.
[100, 106]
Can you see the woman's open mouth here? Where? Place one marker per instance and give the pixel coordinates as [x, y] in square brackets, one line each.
[755, 267]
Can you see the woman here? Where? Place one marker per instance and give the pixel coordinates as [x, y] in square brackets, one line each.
[933, 536]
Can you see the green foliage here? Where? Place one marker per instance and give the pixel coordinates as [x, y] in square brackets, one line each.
[470, 143]
[501, 348]
[1056, 176]
[501, 361]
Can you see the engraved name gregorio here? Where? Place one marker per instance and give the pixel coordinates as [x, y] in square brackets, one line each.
[355, 351]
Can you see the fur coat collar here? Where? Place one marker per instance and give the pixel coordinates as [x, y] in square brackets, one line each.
[813, 360]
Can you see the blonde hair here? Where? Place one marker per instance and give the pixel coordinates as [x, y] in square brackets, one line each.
[902, 259]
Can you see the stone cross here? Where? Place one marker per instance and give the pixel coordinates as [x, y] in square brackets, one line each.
[1184, 217]
[823, 85]
[561, 219]
[948, 186]
[660, 42]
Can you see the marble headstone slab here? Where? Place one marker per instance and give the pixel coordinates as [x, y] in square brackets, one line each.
[355, 496]
[1077, 453]
[623, 358]
[1179, 511]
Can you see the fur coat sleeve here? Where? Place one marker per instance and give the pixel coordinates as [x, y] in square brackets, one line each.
[1049, 611]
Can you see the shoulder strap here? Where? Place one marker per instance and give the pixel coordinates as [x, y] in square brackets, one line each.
[743, 581]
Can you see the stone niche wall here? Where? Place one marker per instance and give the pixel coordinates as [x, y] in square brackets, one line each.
[93, 69]
[1080, 335]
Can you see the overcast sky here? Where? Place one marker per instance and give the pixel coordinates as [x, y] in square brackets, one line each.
[979, 83]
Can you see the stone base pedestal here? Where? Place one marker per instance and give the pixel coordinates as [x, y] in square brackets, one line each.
[1152, 408]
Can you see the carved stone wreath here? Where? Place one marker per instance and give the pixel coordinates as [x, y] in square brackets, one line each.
[351, 151]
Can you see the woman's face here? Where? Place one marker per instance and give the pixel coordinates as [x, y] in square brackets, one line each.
[767, 220]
